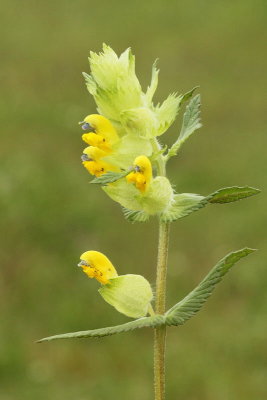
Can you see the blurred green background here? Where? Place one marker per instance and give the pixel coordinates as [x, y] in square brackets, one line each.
[50, 214]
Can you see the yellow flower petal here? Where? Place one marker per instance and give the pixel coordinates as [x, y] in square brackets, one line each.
[102, 127]
[94, 164]
[142, 174]
[97, 265]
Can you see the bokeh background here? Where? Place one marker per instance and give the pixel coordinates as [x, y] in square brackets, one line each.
[50, 214]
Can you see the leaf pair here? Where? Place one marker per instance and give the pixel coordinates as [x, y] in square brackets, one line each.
[179, 313]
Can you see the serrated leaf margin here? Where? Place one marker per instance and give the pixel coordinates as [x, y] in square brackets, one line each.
[194, 301]
[144, 322]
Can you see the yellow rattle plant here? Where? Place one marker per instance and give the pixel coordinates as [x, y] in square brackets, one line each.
[125, 158]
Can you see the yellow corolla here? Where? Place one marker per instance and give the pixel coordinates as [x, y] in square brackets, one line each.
[92, 161]
[100, 132]
[129, 294]
[97, 265]
[142, 174]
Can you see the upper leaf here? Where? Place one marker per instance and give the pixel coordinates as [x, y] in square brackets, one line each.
[145, 322]
[188, 94]
[186, 203]
[230, 194]
[193, 302]
[191, 122]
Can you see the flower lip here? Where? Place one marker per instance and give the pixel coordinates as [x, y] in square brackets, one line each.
[137, 168]
[83, 263]
[87, 127]
[85, 157]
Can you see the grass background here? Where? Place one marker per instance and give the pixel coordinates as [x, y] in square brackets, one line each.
[50, 214]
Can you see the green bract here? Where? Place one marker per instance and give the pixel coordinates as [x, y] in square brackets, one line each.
[129, 294]
[119, 97]
[158, 197]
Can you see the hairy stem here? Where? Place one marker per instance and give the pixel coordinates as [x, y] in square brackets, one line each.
[160, 332]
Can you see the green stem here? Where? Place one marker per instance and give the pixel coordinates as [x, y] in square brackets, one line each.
[160, 332]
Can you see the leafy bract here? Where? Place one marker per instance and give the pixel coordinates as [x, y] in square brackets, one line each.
[135, 216]
[110, 177]
[191, 122]
[145, 322]
[153, 85]
[167, 112]
[153, 201]
[183, 205]
[193, 302]
[186, 203]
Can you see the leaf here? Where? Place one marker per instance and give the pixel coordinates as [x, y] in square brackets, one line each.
[110, 177]
[191, 119]
[146, 322]
[230, 194]
[184, 204]
[191, 122]
[178, 314]
[192, 303]
[135, 216]
[188, 95]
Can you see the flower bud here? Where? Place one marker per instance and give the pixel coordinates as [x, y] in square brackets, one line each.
[113, 82]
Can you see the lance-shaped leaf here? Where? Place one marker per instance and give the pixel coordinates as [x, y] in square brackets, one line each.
[193, 302]
[146, 322]
[186, 203]
[191, 122]
[230, 194]
[109, 177]
[188, 95]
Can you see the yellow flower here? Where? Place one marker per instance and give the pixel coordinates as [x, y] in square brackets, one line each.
[101, 132]
[142, 174]
[129, 294]
[92, 161]
[97, 265]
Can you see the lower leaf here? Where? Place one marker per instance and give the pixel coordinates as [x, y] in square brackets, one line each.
[193, 302]
[146, 322]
